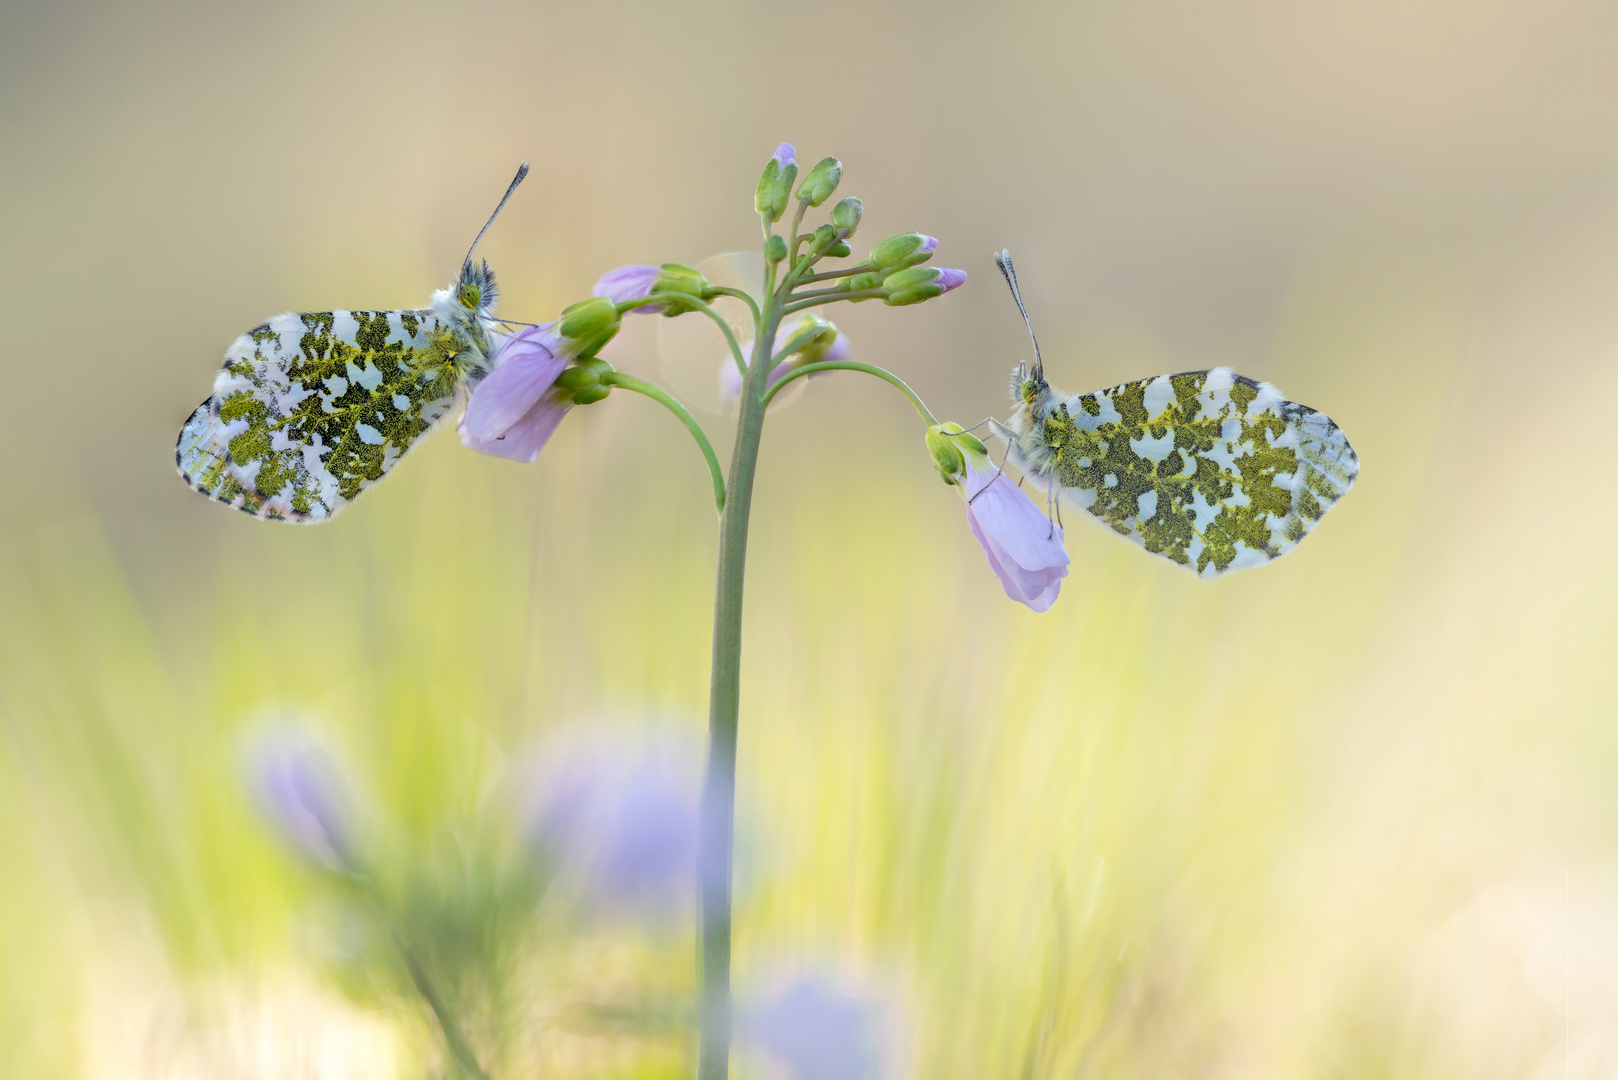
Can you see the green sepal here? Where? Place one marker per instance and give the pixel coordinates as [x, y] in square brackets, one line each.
[678, 280]
[912, 286]
[821, 181]
[845, 216]
[947, 457]
[859, 282]
[839, 250]
[591, 394]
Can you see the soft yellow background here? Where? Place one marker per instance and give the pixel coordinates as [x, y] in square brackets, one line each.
[1355, 814]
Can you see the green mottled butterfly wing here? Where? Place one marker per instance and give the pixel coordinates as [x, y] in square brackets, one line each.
[309, 410]
[1210, 469]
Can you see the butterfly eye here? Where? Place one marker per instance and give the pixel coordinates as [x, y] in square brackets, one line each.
[1028, 389]
[470, 295]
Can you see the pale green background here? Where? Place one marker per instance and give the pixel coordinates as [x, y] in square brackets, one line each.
[1351, 815]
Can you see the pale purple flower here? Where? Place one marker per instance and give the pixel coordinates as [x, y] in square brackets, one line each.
[815, 1031]
[785, 155]
[626, 283]
[1024, 547]
[621, 816]
[297, 787]
[949, 277]
[514, 410]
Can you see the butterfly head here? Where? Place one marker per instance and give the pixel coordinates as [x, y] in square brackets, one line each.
[475, 289]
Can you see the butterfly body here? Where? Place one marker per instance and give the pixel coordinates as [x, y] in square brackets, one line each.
[310, 409]
[1209, 469]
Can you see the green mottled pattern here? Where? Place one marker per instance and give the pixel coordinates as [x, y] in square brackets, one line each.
[1209, 469]
[308, 410]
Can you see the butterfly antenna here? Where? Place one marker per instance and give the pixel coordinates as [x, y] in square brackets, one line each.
[1007, 271]
[522, 171]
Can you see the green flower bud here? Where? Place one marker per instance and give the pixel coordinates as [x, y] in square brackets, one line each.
[859, 283]
[775, 184]
[821, 181]
[920, 283]
[824, 237]
[902, 251]
[776, 249]
[845, 216]
[592, 322]
[590, 395]
[816, 347]
[839, 250]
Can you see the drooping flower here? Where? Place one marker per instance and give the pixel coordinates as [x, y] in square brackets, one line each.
[831, 344]
[296, 785]
[816, 1031]
[1024, 547]
[515, 409]
[671, 279]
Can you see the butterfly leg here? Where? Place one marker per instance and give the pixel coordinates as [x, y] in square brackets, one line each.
[1052, 504]
[998, 474]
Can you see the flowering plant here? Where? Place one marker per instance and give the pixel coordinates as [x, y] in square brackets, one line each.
[542, 372]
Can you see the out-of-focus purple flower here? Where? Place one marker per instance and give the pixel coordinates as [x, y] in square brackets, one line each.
[298, 788]
[620, 816]
[1024, 547]
[514, 410]
[832, 344]
[815, 1031]
[626, 283]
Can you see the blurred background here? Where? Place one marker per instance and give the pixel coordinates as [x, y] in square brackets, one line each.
[1350, 815]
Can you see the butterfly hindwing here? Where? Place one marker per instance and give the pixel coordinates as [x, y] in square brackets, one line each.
[1210, 469]
[309, 410]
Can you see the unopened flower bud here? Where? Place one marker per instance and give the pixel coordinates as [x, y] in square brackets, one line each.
[821, 181]
[776, 249]
[845, 216]
[591, 323]
[775, 185]
[859, 283]
[823, 238]
[902, 251]
[920, 283]
[839, 250]
[816, 347]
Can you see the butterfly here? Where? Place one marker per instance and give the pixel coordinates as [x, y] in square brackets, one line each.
[311, 409]
[1210, 469]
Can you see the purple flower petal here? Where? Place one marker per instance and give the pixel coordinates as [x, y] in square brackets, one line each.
[626, 283]
[949, 277]
[525, 366]
[1024, 549]
[523, 440]
[785, 155]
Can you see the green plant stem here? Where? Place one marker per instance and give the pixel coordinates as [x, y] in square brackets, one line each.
[724, 702]
[852, 365]
[827, 275]
[742, 295]
[458, 1049]
[661, 396]
[692, 302]
[854, 294]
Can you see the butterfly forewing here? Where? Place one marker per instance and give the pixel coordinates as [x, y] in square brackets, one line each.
[1210, 469]
[308, 410]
